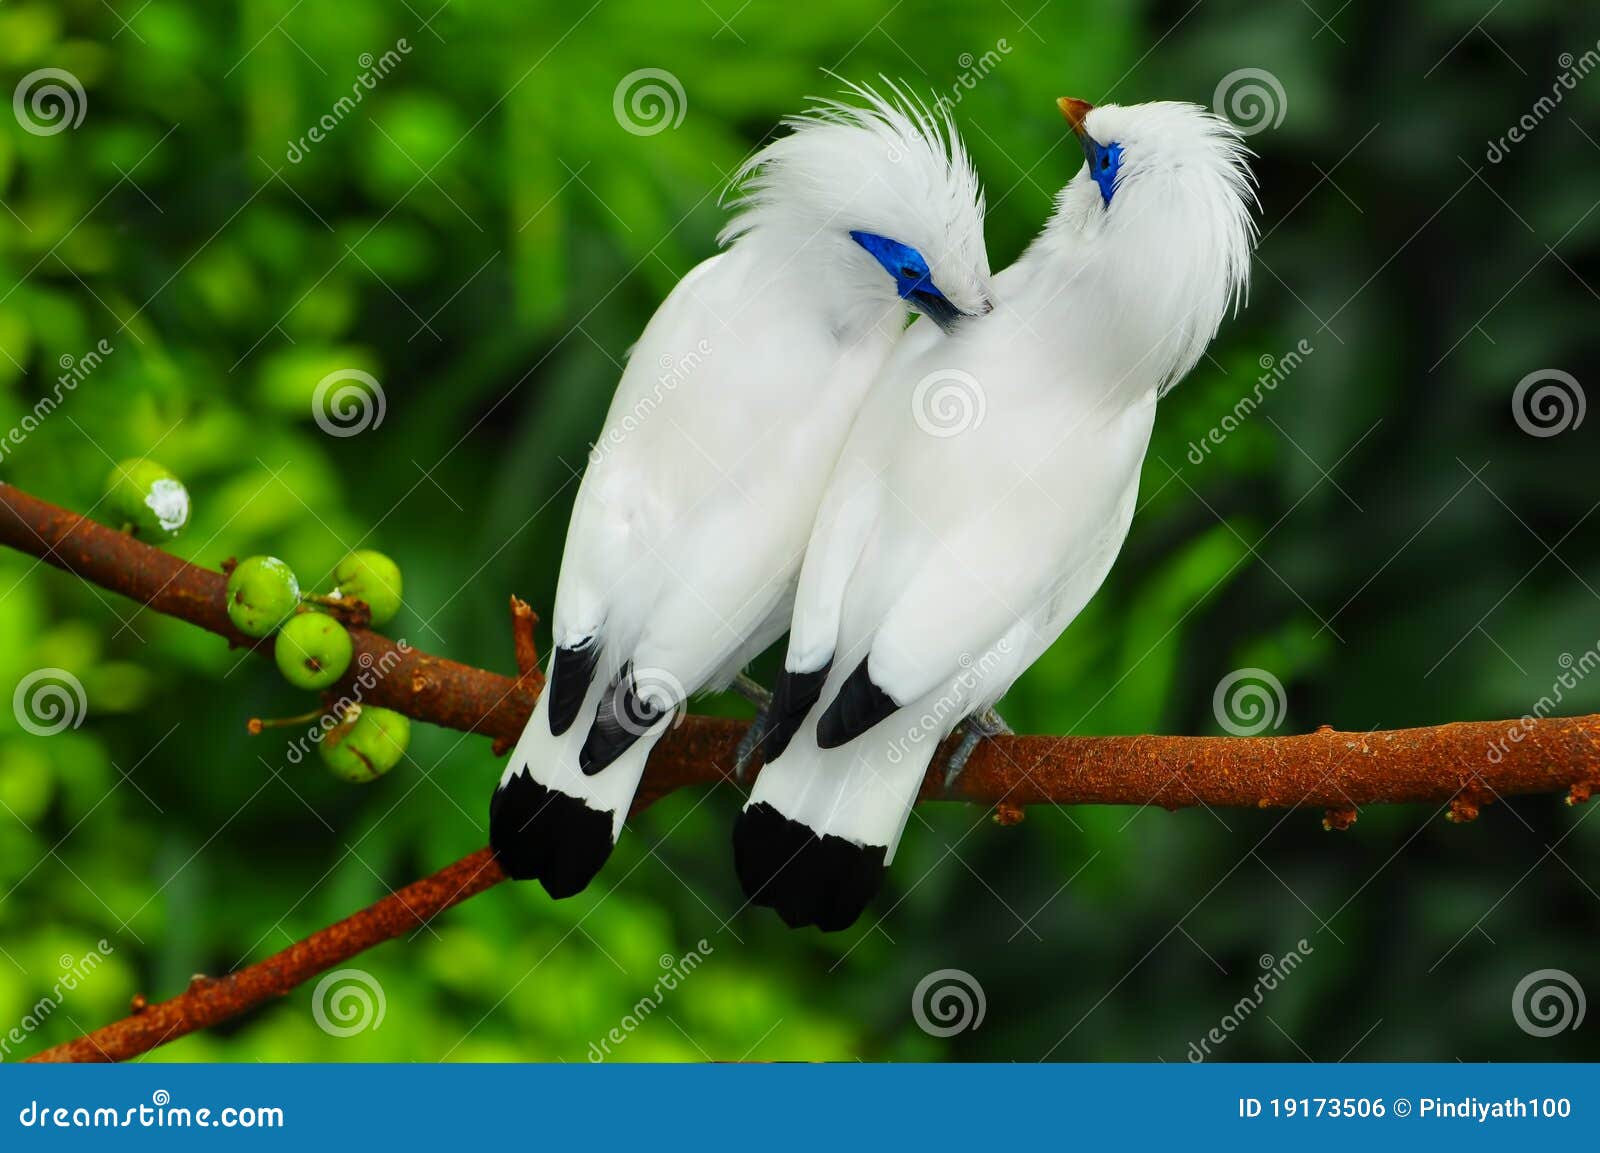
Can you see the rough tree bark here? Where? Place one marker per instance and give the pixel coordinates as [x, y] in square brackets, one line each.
[1467, 764]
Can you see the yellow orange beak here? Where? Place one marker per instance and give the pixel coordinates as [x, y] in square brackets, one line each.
[1076, 111]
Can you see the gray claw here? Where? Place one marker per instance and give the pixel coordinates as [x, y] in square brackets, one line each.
[747, 745]
[974, 729]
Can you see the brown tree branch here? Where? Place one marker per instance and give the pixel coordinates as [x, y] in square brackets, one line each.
[1466, 764]
[209, 1000]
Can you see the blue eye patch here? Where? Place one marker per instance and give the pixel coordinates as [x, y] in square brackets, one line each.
[902, 262]
[1104, 162]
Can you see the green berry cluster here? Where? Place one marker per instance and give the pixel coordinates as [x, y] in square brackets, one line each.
[313, 650]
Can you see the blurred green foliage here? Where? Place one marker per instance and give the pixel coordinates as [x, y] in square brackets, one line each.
[480, 234]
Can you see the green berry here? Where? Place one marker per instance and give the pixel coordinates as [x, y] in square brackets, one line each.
[262, 591]
[145, 496]
[372, 578]
[312, 650]
[366, 744]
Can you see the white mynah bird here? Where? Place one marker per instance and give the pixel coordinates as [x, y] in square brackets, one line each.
[692, 517]
[984, 493]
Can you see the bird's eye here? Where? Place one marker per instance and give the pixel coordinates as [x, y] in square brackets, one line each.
[908, 272]
[1105, 160]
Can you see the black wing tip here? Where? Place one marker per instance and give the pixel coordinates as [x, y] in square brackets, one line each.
[792, 698]
[623, 718]
[825, 880]
[571, 670]
[859, 705]
[540, 834]
[601, 747]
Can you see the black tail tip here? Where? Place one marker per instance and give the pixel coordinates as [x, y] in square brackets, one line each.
[826, 881]
[539, 834]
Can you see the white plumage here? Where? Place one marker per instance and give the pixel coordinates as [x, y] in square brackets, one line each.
[692, 517]
[945, 560]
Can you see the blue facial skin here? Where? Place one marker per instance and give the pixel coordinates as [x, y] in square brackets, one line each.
[1104, 161]
[912, 280]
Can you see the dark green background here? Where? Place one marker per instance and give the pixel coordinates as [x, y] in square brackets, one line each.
[483, 236]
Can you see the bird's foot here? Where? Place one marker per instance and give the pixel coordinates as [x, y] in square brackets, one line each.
[974, 729]
[750, 689]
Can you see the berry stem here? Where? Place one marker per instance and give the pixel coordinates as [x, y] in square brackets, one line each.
[256, 724]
